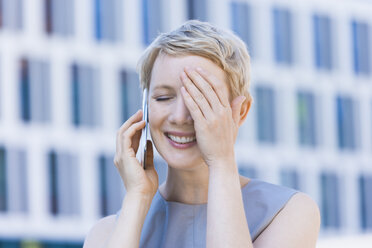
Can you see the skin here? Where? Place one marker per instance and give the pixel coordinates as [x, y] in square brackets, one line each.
[190, 95]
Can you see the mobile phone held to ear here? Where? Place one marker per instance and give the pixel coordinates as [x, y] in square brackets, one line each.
[144, 135]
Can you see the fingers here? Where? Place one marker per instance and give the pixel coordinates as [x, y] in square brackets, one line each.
[204, 86]
[217, 85]
[192, 106]
[130, 132]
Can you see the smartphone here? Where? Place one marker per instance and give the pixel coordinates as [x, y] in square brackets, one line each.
[144, 135]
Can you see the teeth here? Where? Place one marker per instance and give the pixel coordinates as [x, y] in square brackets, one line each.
[181, 140]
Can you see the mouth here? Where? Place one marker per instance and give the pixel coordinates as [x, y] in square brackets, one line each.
[181, 140]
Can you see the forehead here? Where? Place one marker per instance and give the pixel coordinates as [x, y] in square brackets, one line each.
[167, 69]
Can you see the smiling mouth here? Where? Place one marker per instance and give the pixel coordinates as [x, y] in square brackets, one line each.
[181, 139]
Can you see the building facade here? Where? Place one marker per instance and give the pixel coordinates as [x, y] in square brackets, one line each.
[68, 81]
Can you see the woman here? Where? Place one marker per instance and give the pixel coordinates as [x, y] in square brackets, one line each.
[198, 77]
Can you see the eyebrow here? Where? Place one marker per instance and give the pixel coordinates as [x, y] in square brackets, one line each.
[168, 87]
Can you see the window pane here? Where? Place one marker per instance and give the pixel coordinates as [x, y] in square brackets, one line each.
[107, 20]
[197, 9]
[330, 200]
[130, 95]
[282, 35]
[12, 14]
[241, 21]
[86, 103]
[17, 183]
[111, 186]
[25, 90]
[64, 187]
[289, 178]
[3, 181]
[152, 20]
[306, 118]
[346, 123]
[361, 48]
[266, 119]
[365, 189]
[322, 42]
[247, 171]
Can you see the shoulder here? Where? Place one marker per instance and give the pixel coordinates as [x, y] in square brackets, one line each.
[99, 233]
[296, 224]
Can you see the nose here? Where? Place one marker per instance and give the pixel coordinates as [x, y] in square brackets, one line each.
[180, 114]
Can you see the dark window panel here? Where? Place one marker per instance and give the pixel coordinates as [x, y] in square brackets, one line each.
[361, 48]
[322, 42]
[152, 20]
[197, 9]
[48, 16]
[25, 90]
[283, 43]
[242, 22]
[289, 178]
[3, 181]
[53, 181]
[130, 94]
[330, 201]
[1, 13]
[266, 116]
[306, 118]
[365, 192]
[75, 96]
[346, 123]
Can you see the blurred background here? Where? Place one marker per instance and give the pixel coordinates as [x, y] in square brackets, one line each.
[68, 81]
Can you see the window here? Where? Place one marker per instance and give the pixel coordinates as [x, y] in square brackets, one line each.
[322, 42]
[197, 9]
[111, 186]
[85, 96]
[346, 127]
[63, 184]
[11, 12]
[361, 48]
[306, 118]
[35, 90]
[266, 114]
[3, 180]
[283, 36]
[152, 20]
[13, 180]
[130, 94]
[330, 200]
[289, 178]
[241, 21]
[59, 17]
[365, 189]
[247, 171]
[107, 19]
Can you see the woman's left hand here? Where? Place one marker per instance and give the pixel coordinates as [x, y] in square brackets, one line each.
[216, 121]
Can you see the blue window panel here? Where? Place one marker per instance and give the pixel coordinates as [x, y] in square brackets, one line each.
[241, 21]
[365, 192]
[283, 46]
[130, 94]
[1, 14]
[152, 20]
[248, 171]
[330, 208]
[75, 96]
[306, 118]
[266, 116]
[197, 9]
[289, 178]
[97, 19]
[361, 48]
[25, 90]
[3, 181]
[111, 186]
[346, 123]
[53, 193]
[322, 42]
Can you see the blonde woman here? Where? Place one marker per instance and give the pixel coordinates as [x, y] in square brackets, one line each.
[198, 79]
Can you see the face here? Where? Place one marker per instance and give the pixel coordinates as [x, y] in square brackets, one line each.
[171, 125]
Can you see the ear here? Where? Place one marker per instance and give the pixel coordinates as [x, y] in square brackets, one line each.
[244, 109]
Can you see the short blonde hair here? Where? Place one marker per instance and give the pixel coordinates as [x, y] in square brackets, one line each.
[203, 39]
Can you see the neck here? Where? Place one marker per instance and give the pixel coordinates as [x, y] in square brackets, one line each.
[186, 186]
[189, 186]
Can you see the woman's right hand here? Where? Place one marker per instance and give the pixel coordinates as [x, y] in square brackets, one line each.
[136, 179]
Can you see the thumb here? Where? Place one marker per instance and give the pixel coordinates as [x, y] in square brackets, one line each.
[236, 106]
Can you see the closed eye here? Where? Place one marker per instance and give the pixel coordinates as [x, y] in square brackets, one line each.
[161, 99]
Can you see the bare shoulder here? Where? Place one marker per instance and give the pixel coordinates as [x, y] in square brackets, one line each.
[100, 232]
[296, 225]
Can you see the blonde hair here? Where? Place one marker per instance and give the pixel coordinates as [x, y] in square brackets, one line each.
[203, 39]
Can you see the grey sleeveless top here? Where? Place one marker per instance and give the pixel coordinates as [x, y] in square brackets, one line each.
[174, 224]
